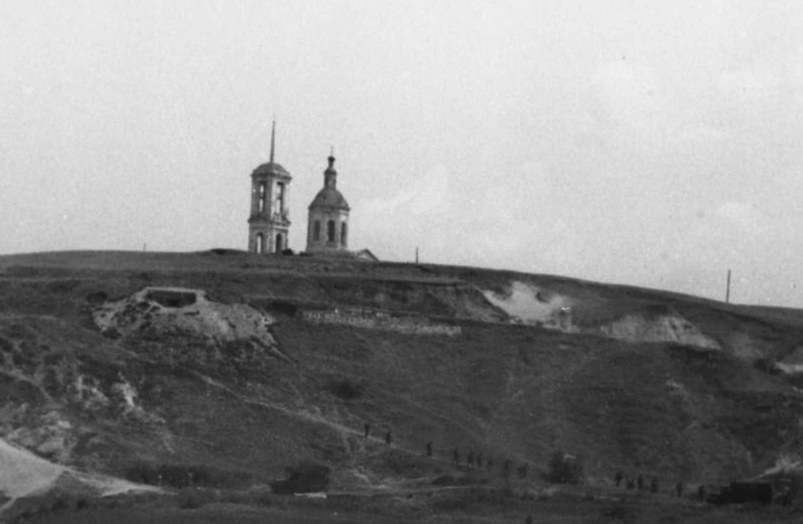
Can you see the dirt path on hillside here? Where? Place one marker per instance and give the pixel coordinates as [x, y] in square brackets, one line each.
[419, 407]
[318, 419]
[342, 430]
[545, 378]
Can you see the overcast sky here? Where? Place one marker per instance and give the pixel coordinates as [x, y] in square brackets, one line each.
[646, 143]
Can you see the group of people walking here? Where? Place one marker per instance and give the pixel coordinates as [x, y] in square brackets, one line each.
[367, 433]
[640, 484]
[479, 462]
[472, 460]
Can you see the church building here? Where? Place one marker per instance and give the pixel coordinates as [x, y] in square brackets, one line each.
[269, 221]
[327, 227]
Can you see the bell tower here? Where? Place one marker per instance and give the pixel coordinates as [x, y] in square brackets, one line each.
[269, 222]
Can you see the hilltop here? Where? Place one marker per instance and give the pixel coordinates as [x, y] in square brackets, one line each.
[228, 368]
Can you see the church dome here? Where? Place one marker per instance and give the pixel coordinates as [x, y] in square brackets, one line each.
[330, 198]
[271, 168]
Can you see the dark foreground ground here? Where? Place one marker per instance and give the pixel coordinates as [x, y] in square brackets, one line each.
[471, 506]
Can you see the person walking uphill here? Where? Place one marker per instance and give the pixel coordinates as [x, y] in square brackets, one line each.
[388, 438]
[429, 448]
[366, 429]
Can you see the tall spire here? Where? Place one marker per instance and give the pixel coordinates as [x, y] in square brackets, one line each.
[272, 139]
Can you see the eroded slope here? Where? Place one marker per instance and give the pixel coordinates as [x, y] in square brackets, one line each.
[216, 362]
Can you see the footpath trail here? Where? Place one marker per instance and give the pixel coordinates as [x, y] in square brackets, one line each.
[309, 417]
[317, 418]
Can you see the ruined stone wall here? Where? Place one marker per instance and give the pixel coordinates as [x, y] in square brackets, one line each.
[371, 319]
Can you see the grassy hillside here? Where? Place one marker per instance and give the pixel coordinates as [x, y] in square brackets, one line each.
[629, 379]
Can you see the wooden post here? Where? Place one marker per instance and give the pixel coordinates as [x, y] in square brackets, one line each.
[728, 289]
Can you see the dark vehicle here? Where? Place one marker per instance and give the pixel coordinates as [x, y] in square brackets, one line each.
[742, 492]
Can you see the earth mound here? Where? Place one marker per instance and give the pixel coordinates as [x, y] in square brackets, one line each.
[181, 310]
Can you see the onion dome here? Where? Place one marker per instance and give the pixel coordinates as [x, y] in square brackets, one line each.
[329, 197]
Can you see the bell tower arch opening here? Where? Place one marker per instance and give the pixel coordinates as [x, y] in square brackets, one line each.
[330, 231]
[261, 197]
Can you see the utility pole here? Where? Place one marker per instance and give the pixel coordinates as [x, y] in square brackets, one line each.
[416, 254]
[728, 289]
